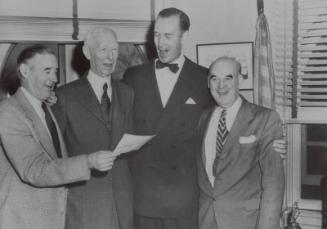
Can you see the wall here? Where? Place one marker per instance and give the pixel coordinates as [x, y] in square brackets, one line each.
[51, 20]
[215, 21]
[104, 9]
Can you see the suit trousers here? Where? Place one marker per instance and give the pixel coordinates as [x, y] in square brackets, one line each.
[143, 222]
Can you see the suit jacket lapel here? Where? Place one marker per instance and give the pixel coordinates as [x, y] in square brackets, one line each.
[151, 85]
[201, 150]
[38, 129]
[244, 115]
[61, 139]
[150, 94]
[87, 98]
[118, 113]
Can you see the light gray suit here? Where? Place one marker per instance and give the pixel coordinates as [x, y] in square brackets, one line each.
[30, 172]
[249, 184]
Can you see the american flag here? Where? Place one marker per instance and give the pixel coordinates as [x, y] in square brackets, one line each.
[264, 78]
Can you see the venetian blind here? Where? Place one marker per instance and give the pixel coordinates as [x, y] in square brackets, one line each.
[310, 87]
[281, 19]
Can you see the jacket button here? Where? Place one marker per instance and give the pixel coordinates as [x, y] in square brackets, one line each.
[173, 168]
[214, 199]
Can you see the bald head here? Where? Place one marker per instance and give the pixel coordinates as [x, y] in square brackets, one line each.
[224, 74]
[226, 60]
[101, 49]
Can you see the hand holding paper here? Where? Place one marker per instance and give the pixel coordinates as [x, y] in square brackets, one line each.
[130, 142]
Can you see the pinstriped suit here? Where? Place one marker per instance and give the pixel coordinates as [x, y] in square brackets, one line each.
[85, 130]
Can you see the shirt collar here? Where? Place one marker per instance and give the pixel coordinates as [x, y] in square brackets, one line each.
[235, 107]
[98, 81]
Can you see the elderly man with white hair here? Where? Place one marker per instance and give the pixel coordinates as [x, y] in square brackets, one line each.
[94, 113]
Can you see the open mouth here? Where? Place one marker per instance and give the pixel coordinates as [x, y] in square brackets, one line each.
[163, 53]
[108, 66]
[50, 87]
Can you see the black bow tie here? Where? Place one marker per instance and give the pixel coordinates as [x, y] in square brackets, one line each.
[172, 67]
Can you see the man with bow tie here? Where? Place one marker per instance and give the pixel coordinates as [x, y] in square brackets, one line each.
[170, 94]
[241, 177]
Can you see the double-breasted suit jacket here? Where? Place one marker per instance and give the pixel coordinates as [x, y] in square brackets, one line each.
[32, 194]
[249, 184]
[85, 130]
[164, 170]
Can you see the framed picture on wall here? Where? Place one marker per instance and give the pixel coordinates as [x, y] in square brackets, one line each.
[241, 51]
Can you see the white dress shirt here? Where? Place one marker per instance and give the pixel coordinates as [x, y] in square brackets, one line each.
[166, 79]
[37, 105]
[211, 135]
[97, 83]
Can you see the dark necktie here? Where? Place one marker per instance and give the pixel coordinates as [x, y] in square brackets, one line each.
[222, 133]
[105, 102]
[53, 130]
[172, 67]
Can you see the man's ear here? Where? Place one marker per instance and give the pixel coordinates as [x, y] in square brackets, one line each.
[24, 70]
[184, 36]
[86, 52]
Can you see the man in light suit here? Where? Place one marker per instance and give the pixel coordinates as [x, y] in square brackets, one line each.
[33, 159]
[240, 175]
[94, 112]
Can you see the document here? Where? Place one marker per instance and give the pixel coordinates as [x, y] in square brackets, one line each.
[130, 142]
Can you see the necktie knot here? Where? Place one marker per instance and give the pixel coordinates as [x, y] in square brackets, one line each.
[223, 114]
[172, 67]
[105, 87]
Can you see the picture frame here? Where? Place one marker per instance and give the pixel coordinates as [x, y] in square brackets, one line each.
[241, 51]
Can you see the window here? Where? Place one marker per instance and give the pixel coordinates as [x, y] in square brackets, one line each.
[298, 31]
[310, 80]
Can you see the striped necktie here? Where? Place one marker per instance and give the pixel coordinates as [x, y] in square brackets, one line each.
[222, 133]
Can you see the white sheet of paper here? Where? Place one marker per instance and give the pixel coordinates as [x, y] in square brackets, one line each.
[130, 142]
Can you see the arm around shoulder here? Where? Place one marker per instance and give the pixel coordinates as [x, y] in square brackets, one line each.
[272, 174]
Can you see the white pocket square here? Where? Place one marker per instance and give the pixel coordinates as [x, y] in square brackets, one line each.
[190, 101]
[248, 139]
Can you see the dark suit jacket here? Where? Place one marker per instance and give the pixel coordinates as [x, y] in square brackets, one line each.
[85, 130]
[164, 170]
[248, 189]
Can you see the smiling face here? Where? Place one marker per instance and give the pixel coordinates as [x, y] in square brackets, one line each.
[103, 54]
[168, 38]
[224, 82]
[40, 75]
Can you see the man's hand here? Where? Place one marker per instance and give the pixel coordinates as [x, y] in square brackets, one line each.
[280, 146]
[52, 99]
[101, 160]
